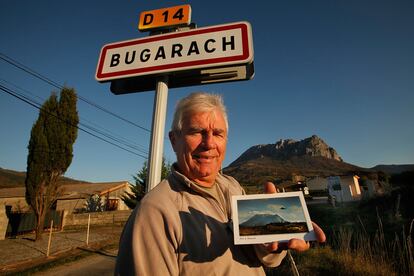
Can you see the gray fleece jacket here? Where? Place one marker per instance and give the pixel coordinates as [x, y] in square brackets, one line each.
[179, 229]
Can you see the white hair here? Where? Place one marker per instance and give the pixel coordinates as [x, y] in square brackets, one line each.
[198, 102]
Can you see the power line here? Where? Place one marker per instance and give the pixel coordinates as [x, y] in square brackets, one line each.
[59, 86]
[37, 105]
[107, 133]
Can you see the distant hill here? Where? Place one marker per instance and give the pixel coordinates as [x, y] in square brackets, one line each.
[262, 220]
[10, 179]
[393, 169]
[272, 162]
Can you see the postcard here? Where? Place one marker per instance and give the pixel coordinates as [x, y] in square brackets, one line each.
[271, 217]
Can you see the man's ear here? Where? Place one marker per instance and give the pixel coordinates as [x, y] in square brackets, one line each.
[172, 137]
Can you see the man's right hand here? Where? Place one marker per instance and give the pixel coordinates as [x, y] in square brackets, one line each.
[299, 245]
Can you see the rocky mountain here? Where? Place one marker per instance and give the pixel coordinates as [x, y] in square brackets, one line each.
[262, 220]
[286, 158]
[286, 149]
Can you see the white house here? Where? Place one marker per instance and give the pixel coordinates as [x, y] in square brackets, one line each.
[344, 188]
[74, 196]
[317, 184]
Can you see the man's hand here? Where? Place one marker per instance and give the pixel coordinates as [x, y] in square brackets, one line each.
[295, 244]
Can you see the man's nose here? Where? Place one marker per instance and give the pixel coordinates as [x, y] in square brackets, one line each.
[208, 140]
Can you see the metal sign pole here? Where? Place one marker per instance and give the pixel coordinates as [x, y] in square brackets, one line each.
[157, 133]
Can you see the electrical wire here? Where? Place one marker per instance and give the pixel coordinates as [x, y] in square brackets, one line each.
[38, 106]
[105, 132]
[59, 86]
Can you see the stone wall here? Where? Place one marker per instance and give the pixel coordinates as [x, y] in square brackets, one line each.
[97, 218]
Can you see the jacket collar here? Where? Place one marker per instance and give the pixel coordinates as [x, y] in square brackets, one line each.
[178, 177]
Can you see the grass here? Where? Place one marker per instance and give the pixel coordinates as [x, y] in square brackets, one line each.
[327, 261]
[363, 239]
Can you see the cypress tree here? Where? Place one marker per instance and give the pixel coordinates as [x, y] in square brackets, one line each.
[50, 152]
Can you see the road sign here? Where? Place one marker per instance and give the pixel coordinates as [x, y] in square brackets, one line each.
[167, 17]
[175, 59]
[209, 47]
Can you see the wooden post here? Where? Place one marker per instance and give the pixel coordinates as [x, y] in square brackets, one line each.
[87, 233]
[50, 238]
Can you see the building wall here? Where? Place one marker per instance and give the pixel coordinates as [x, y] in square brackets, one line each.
[317, 184]
[117, 194]
[70, 205]
[335, 188]
[344, 188]
[4, 221]
[18, 204]
[97, 218]
[352, 184]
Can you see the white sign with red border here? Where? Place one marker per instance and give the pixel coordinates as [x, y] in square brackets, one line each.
[215, 46]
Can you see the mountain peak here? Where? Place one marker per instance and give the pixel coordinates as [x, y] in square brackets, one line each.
[262, 220]
[285, 149]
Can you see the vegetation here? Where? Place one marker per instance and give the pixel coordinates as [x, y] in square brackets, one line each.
[139, 189]
[12, 179]
[50, 152]
[94, 204]
[371, 237]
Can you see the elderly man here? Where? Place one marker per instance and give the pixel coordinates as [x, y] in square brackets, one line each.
[183, 226]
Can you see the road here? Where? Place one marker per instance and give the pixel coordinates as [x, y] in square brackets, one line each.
[100, 263]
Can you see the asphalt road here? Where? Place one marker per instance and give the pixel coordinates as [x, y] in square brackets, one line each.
[100, 263]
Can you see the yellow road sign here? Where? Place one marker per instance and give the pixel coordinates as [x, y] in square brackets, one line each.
[167, 17]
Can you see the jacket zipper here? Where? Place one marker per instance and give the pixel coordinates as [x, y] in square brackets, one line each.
[215, 202]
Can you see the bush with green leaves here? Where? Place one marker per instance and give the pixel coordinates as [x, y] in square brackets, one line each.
[138, 190]
[94, 204]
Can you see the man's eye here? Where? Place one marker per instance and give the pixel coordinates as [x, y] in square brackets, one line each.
[219, 134]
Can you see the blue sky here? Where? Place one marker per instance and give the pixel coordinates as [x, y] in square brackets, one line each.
[343, 70]
[289, 208]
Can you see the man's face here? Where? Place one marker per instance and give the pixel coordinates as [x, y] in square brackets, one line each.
[201, 146]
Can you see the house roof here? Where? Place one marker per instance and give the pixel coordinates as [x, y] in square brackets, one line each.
[12, 192]
[71, 191]
[290, 184]
[83, 190]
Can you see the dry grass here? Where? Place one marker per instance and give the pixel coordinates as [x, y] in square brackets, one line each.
[389, 256]
[327, 261]
[352, 250]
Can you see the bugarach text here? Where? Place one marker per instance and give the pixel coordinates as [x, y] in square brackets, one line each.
[173, 51]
